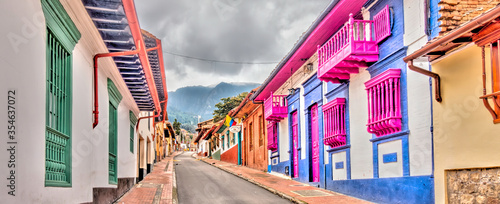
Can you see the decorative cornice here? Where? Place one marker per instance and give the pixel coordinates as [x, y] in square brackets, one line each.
[61, 25]
[114, 95]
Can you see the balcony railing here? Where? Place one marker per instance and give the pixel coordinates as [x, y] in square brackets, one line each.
[352, 46]
[334, 115]
[384, 103]
[275, 107]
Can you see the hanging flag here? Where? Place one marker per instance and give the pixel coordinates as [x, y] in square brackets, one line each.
[226, 122]
[232, 122]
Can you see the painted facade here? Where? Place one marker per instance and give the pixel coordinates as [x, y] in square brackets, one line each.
[465, 57]
[350, 126]
[77, 153]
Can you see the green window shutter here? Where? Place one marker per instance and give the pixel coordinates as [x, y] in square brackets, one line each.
[133, 121]
[113, 156]
[131, 138]
[114, 100]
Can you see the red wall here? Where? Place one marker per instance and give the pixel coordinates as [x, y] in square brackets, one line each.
[230, 155]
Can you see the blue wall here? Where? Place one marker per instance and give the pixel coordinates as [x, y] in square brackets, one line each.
[313, 95]
[416, 189]
[294, 105]
[433, 18]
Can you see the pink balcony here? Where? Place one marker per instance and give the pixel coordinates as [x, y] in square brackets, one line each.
[334, 116]
[272, 136]
[384, 103]
[275, 107]
[354, 45]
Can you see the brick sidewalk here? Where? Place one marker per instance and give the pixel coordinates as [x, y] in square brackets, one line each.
[283, 187]
[156, 187]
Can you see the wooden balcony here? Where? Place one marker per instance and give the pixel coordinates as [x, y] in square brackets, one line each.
[275, 107]
[352, 46]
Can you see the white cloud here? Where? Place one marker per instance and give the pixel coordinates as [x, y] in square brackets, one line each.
[228, 30]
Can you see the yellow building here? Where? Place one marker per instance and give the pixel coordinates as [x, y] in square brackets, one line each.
[465, 65]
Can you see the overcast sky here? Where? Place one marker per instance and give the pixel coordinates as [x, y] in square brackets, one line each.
[255, 31]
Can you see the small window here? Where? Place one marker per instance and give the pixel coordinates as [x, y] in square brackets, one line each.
[250, 136]
[261, 131]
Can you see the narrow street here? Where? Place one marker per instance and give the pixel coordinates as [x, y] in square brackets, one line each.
[198, 182]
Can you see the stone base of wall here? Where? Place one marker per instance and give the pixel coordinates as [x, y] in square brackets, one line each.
[108, 195]
[481, 185]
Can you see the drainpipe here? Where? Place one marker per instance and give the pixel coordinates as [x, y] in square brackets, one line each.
[114, 54]
[153, 116]
[129, 8]
[96, 87]
[437, 79]
[487, 17]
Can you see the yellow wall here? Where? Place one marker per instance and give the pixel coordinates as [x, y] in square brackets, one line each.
[464, 133]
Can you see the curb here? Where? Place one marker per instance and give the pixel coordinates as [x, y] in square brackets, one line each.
[274, 191]
[175, 196]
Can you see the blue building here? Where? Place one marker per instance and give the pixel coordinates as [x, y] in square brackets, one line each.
[352, 126]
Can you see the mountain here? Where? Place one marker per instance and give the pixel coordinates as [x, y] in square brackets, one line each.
[186, 103]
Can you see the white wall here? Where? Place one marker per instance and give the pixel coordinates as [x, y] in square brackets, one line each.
[390, 169]
[419, 95]
[361, 147]
[284, 140]
[339, 174]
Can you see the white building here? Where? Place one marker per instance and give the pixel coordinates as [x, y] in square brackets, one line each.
[47, 62]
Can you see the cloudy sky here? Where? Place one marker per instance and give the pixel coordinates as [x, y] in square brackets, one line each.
[254, 34]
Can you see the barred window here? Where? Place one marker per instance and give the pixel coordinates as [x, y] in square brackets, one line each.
[58, 117]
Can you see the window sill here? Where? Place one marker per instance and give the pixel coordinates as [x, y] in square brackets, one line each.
[385, 137]
[57, 184]
[339, 148]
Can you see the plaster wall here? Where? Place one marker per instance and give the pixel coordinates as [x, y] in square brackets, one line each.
[361, 147]
[284, 140]
[419, 92]
[465, 136]
[390, 169]
[339, 173]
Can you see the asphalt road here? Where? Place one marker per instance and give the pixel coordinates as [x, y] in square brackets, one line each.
[198, 182]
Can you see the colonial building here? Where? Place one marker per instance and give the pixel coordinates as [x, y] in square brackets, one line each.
[338, 106]
[80, 80]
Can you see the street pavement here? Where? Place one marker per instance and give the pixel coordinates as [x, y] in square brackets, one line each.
[199, 182]
[155, 188]
[290, 189]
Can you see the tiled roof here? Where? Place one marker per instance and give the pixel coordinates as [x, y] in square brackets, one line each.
[154, 61]
[454, 13]
[111, 22]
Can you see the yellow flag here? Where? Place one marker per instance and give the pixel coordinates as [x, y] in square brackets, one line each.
[228, 119]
